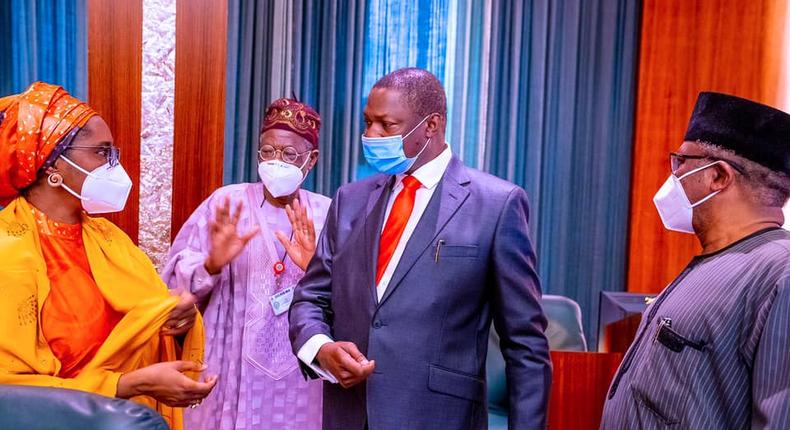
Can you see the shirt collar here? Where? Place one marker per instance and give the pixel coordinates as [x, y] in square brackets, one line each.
[430, 173]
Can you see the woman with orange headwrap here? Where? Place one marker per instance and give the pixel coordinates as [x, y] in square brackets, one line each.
[82, 308]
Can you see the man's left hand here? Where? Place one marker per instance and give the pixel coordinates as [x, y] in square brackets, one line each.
[182, 318]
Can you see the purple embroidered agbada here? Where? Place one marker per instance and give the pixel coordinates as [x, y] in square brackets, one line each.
[260, 385]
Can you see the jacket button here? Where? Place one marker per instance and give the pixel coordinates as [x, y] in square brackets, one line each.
[377, 324]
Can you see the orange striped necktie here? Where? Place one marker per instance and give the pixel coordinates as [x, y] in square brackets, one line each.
[396, 223]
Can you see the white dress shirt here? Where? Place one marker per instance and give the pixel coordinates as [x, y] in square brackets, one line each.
[429, 176]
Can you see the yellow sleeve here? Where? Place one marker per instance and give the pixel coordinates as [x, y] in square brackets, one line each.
[102, 382]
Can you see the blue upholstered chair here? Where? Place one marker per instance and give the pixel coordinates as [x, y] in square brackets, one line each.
[564, 333]
[40, 408]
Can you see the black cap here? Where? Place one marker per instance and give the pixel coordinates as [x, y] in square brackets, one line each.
[752, 130]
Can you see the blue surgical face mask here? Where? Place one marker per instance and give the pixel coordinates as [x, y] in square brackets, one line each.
[386, 155]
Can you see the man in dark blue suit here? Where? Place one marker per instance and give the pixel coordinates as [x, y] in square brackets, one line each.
[411, 268]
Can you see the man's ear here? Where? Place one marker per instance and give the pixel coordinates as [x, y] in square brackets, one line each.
[313, 159]
[434, 124]
[723, 176]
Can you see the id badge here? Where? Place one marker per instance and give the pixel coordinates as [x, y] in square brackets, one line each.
[282, 301]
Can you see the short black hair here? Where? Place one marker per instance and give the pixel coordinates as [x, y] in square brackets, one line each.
[422, 91]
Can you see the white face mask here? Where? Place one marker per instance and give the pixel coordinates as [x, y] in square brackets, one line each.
[674, 207]
[281, 178]
[105, 189]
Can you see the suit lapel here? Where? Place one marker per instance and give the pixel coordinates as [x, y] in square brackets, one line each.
[374, 220]
[448, 197]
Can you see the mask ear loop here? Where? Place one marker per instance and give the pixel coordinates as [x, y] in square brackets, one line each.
[709, 196]
[66, 187]
[689, 173]
[426, 142]
[74, 165]
[423, 148]
[305, 163]
[72, 192]
[301, 169]
[418, 124]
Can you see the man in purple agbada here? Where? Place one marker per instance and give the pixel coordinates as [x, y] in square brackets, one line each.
[242, 252]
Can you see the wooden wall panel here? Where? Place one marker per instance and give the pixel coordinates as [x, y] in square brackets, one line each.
[578, 391]
[688, 46]
[115, 34]
[198, 147]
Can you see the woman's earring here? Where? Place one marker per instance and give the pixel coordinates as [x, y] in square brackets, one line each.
[54, 179]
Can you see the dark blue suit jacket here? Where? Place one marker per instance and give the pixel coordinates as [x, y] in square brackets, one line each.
[429, 333]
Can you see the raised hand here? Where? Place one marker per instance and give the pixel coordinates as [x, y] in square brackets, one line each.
[224, 238]
[302, 247]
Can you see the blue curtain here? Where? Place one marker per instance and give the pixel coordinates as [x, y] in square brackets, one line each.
[540, 93]
[45, 41]
[310, 49]
[328, 74]
[402, 34]
[337, 49]
[559, 123]
[248, 91]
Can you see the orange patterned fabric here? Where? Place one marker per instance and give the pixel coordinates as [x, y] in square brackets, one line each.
[75, 317]
[33, 125]
[291, 115]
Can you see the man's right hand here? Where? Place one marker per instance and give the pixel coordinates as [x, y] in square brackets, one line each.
[344, 361]
[225, 240]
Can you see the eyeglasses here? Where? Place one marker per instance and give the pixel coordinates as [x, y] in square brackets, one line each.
[111, 153]
[676, 161]
[289, 154]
